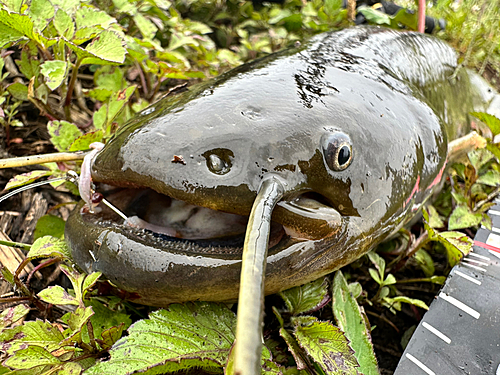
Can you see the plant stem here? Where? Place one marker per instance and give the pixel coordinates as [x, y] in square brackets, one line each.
[71, 86]
[18, 245]
[41, 159]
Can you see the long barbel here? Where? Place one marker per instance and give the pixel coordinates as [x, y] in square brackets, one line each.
[253, 267]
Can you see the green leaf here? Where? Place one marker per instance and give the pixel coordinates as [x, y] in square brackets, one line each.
[146, 27]
[76, 320]
[63, 134]
[105, 319]
[352, 319]
[12, 315]
[456, 244]
[478, 158]
[306, 297]
[70, 368]
[326, 344]
[64, 24]
[31, 333]
[57, 295]
[26, 178]
[491, 121]
[490, 178]
[294, 348]
[31, 357]
[18, 90]
[411, 301]
[425, 262]
[15, 25]
[435, 220]
[106, 48]
[49, 225]
[375, 276]
[83, 142]
[195, 334]
[462, 217]
[114, 106]
[378, 262]
[375, 16]
[55, 72]
[86, 17]
[49, 247]
[41, 12]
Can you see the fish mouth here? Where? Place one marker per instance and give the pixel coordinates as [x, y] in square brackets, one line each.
[299, 216]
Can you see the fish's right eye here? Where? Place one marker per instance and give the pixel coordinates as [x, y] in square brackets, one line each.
[337, 151]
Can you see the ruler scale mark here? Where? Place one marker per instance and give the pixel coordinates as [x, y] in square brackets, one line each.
[420, 364]
[479, 256]
[473, 266]
[467, 277]
[476, 262]
[435, 331]
[462, 306]
[494, 212]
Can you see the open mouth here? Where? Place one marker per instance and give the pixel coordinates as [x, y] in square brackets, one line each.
[304, 217]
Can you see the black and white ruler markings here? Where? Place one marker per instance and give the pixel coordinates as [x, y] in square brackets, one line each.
[460, 334]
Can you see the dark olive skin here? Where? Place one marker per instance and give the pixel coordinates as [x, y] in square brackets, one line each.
[346, 115]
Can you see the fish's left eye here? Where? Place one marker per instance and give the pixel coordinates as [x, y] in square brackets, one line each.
[337, 151]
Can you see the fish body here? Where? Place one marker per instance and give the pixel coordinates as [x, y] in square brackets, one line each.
[355, 124]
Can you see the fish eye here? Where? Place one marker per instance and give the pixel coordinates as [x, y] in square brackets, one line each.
[219, 160]
[337, 151]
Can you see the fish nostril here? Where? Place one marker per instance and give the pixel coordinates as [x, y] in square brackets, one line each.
[219, 160]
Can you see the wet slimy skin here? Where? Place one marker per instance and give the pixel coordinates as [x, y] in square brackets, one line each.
[355, 124]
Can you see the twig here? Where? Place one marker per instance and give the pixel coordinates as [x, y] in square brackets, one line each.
[384, 319]
[41, 159]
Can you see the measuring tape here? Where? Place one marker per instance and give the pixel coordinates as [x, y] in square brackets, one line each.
[460, 334]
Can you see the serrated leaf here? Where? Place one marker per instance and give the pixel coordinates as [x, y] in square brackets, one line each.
[26, 178]
[31, 357]
[112, 335]
[63, 134]
[435, 220]
[41, 12]
[86, 16]
[294, 348]
[55, 72]
[57, 295]
[352, 320]
[78, 318]
[462, 217]
[18, 90]
[327, 345]
[49, 225]
[490, 178]
[479, 157]
[12, 314]
[83, 142]
[456, 244]
[64, 24]
[306, 297]
[15, 24]
[491, 121]
[9, 35]
[49, 247]
[195, 334]
[106, 49]
[104, 117]
[31, 333]
[104, 319]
